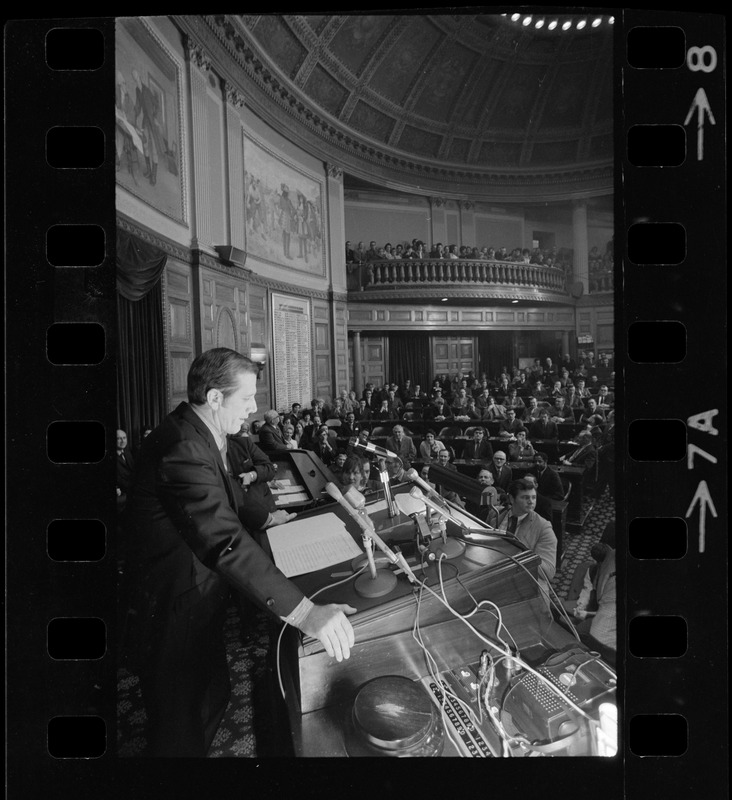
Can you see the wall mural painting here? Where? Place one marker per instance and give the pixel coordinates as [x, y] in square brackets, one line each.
[147, 119]
[284, 212]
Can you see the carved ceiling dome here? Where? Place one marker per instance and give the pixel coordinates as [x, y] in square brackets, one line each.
[462, 89]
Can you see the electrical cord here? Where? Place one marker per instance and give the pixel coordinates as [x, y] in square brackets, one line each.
[286, 624]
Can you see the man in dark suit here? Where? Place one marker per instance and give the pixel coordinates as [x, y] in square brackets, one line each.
[502, 475]
[402, 445]
[187, 548]
[271, 439]
[480, 448]
[549, 482]
[544, 428]
[125, 468]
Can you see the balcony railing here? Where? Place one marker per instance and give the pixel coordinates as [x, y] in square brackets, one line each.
[375, 275]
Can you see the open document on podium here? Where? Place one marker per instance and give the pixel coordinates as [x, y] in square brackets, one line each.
[308, 545]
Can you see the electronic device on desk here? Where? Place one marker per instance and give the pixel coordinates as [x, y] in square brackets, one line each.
[530, 717]
[551, 725]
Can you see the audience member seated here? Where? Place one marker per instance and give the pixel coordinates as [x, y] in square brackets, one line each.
[544, 428]
[559, 412]
[364, 436]
[438, 410]
[533, 409]
[593, 415]
[508, 427]
[502, 475]
[337, 466]
[350, 426]
[356, 472]
[582, 389]
[605, 398]
[539, 391]
[270, 434]
[512, 400]
[288, 436]
[402, 445]
[430, 446]
[443, 460]
[322, 446]
[549, 482]
[294, 414]
[480, 448]
[543, 504]
[521, 449]
[557, 390]
[385, 412]
[584, 455]
[470, 412]
[573, 399]
[491, 501]
[363, 413]
[531, 530]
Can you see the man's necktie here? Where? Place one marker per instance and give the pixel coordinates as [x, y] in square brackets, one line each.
[512, 522]
[223, 450]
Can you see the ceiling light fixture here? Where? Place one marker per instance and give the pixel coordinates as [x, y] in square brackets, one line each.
[581, 24]
[540, 23]
[611, 20]
[515, 17]
[597, 21]
[527, 20]
[444, 299]
[567, 24]
[514, 301]
[553, 24]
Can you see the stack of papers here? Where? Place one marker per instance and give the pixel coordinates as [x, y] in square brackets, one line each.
[309, 545]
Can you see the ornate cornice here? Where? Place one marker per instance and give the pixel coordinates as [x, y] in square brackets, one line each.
[335, 171]
[280, 103]
[168, 246]
[234, 97]
[196, 54]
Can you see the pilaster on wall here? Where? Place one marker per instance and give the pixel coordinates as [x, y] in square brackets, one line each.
[340, 345]
[336, 228]
[467, 222]
[200, 185]
[237, 222]
[438, 220]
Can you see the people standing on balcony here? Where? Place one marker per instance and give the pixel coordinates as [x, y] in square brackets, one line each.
[350, 257]
[372, 254]
[399, 251]
[452, 252]
[388, 251]
[359, 254]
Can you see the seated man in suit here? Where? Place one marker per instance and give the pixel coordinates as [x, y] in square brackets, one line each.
[502, 475]
[480, 448]
[187, 548]
[560, 412]
[350, 427]
[512, 400]
[530, 529]
[322, 446]
[549, 482]
[270, 434]
[593, 415]
[544, 428]
[491, 499]
[402, 445]
[363, 413]
[492, 411]
[510, 425]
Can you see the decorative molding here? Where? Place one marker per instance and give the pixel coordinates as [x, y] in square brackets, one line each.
[280, 102]
[234, 97]
[168, 246]
[466, 205]
[335, 171]
[358, 298]
[196, 54]
[438, 202]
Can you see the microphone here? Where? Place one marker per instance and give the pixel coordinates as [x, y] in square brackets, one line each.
[418, 495]
[450, 548]
[415, 477]
[396, 557]
[412, 508]
[380, 452]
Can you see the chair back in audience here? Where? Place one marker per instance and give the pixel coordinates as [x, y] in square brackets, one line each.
[449, 431]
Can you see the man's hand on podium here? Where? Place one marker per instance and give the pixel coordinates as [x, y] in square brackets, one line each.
[330, 626]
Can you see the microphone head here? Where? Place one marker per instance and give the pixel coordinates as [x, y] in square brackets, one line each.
[412, 474]
[333, 491]
[353, 441]
[417, 492]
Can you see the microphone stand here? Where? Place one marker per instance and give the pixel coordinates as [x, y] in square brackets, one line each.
[388, 494]
[449, 547]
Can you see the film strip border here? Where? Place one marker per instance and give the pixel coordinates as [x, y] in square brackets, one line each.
[671, 315]
[61, 412]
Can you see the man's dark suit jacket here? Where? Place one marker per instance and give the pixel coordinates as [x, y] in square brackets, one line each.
[186, 548]
[502, 478]
[257, 500]
[125, 470]
[482, 451]
[550, 484]
[538, 431]
[270, 438]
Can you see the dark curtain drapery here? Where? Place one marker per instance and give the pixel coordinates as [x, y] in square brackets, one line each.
[409, 357]
[141, 396]
[495, 350]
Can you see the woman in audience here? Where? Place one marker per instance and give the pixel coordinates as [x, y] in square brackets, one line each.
[521, 449]
[430, 446]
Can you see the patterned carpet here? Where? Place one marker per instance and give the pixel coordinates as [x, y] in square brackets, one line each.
[246, 730]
